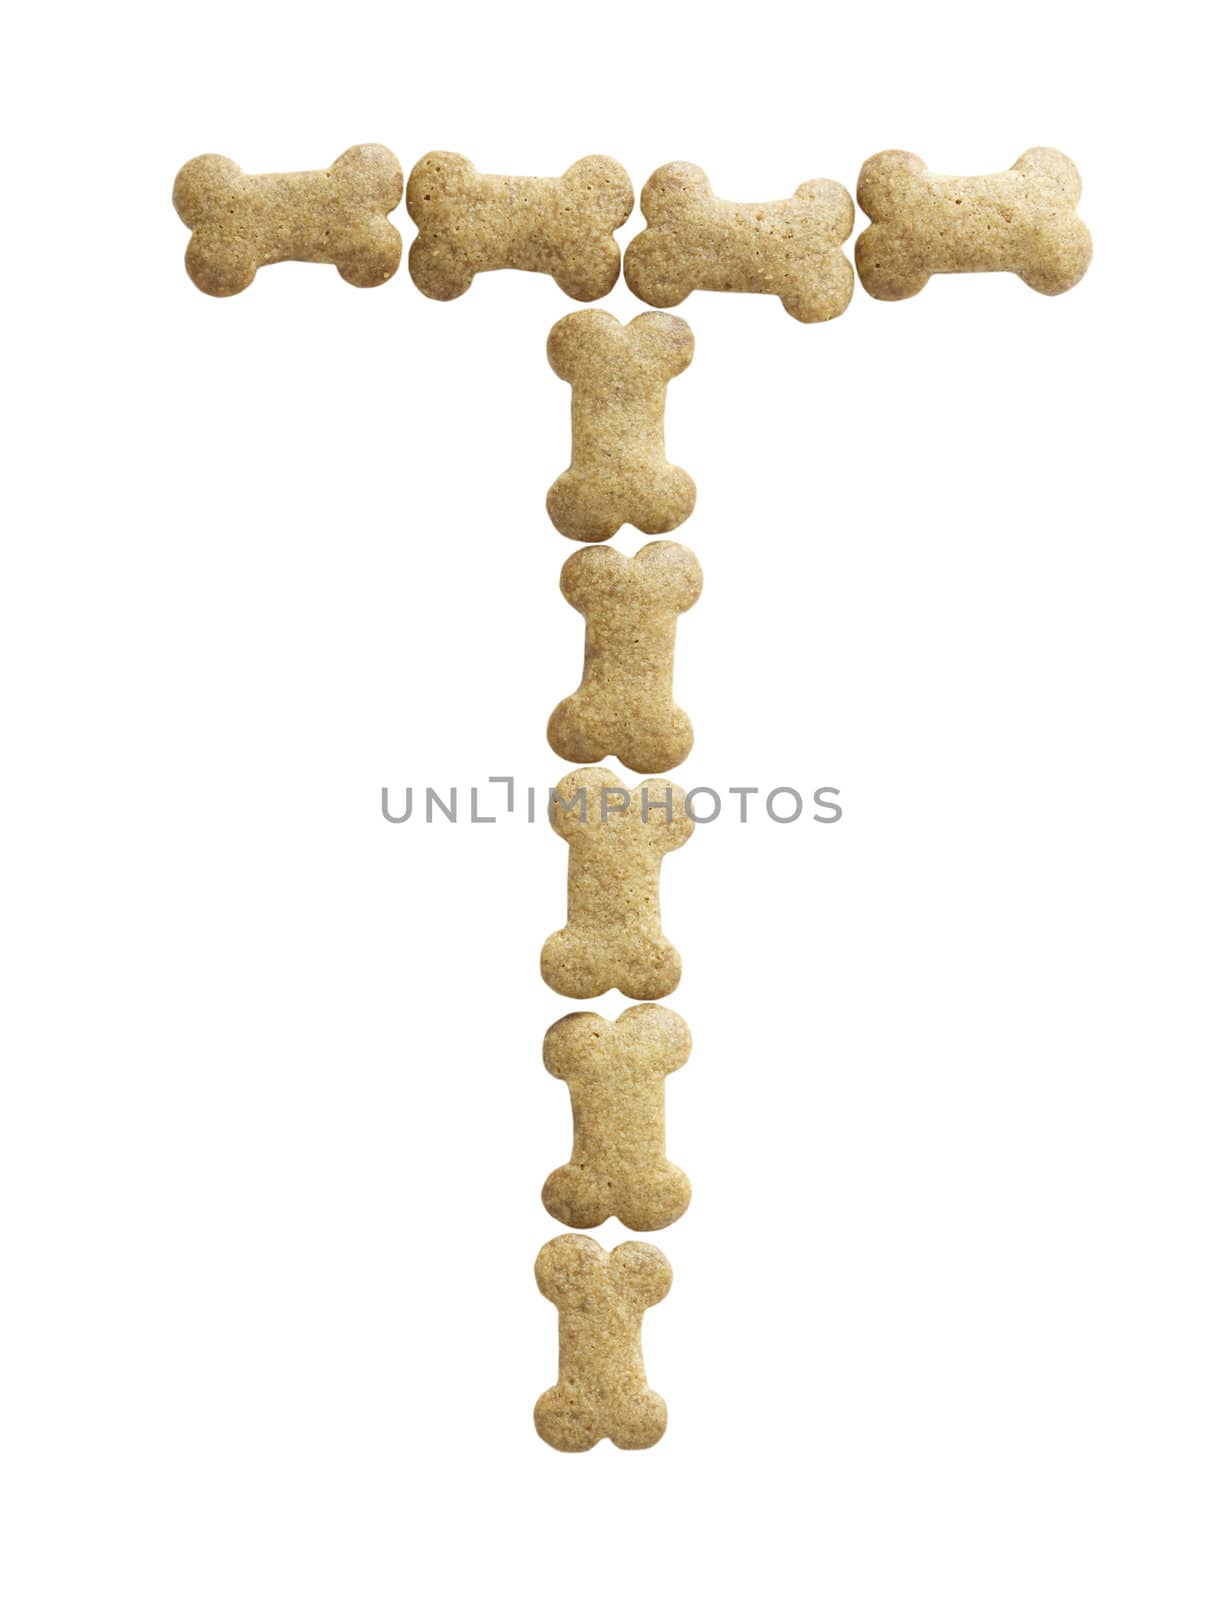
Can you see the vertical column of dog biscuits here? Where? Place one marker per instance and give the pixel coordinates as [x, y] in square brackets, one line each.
[617, 838]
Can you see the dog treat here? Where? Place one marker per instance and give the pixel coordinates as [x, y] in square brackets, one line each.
[1021, 221]
[617, 837]
[789, 248]
[470, 222]
[601, 1390]
[616, 1072]
[242, 221]
[623, 706]
[619, 470]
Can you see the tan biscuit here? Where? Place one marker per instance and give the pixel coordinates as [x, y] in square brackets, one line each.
[1021, 221]
[616, 1072]
[613, 935]
[624, 706]
[243, 221]
[695, 240]
[470, 222]
[618, 469]
[601, 1390]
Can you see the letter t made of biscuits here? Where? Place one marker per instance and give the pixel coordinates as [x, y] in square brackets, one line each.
[922, 223]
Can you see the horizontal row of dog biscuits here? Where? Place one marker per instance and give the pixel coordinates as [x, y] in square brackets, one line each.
[921, 223]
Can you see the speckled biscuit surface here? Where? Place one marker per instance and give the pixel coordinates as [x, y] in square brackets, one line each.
[243, 221]
[624, 706]
[616, 1074]
[1023, 221]
[695, 240]
[617, 838]
[470, 222]
[618, 469]
[601, 1390]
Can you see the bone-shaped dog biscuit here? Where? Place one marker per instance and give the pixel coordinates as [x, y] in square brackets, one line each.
[601, 1390]
[789, 248]
[470, 222]
[243, 221]
[624, 705]
[1023, 221]
[617, 838]
[616, 1072]
[618, 469]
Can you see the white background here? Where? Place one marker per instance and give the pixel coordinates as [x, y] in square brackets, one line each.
[275, 1121]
